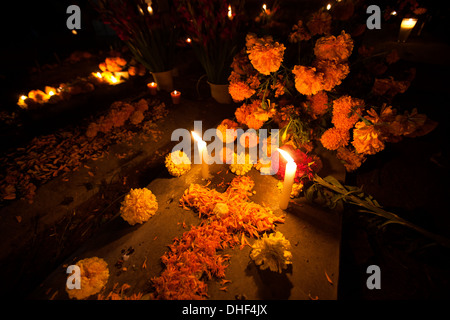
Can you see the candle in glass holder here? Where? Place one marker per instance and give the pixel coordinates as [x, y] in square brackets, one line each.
[202, 154]
[405, 29]
[289, 175]
[152, 86]
[175, 96]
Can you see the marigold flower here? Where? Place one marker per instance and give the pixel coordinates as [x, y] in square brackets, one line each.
[308, 80]
[241, 164]
[389, 87]
[334, 48]
[240, 90]
[334, 138]
[229, 125]
[333, 73]
[318, 103]
[94, 276]
[272, 252]
[351, 159]
[177, 163]
[345, 112]
[139, 206]
[252, 115]
[367, 138]
[265, 55]
[320, 23]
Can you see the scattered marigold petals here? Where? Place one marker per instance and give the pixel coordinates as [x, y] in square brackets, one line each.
[328, 278]
[312, 298]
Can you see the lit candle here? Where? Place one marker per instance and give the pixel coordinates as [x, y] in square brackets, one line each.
[150, 9]
[406, 28]
[152, 86]
[230, 13]
[329, 6]
[264, 8]
[289, 175]
[175, 96]
[188, 40]
[201, 145]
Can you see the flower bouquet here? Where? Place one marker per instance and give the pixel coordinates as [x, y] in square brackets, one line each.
[148, 29]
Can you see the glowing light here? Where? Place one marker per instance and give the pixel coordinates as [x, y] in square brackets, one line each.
[74, 31]
[98, 75]
[393, 13]
[23, 98]
[329, 6]
[230, 13]
[408, 23]
[114, 79]
[285, 155]
[150, 9]
[264, 7]
[188, 40]
[51, 93]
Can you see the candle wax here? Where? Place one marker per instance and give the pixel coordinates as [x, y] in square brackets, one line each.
[289, 175]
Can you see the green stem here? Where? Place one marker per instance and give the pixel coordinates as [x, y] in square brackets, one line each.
[393, 218]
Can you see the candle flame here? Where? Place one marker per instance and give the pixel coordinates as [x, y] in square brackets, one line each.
[188, 40]
[230, 14]
[393, 13]
[286, 155]
[175, 92]
[196, 136]
[150, 9]
[264, 7]
[98, 75]
[74, 31]
[152, 84]
[51, 93]
[113, 79]
[23, 97]
[329, 6]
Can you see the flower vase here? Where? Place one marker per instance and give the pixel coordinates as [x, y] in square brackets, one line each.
[164, 80]
[220, 93]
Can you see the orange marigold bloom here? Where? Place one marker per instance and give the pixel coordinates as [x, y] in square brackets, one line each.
[351, 159]
[240, 90]
[333, 72]
[389, 87]
[334, 138]
[320, 23]
[318, 103]
[265, 54]
[252, 115]
[334, 48]
[367, 138]
[345, 112]
[278, 87]
[230, 125]
[307, 80]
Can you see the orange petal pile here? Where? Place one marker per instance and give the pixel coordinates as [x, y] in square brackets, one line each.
[195, 257]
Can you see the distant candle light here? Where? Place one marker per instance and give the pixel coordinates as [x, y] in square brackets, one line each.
[264, 7]
[150, 9]
[329, 6]
[230, 13]
[74, 31]
[393, 13]
[188, 40]
[51, 93]
[23, 97]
